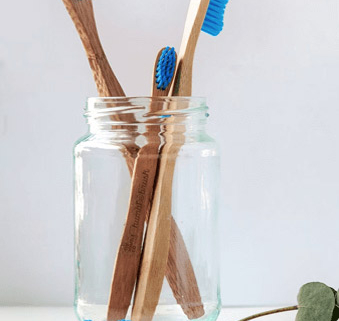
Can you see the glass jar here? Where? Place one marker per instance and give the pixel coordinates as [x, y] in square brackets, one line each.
[146, 194]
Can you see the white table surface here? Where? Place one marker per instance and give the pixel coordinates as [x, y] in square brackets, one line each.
[67, 314]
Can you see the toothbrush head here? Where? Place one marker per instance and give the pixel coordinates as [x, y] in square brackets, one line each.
[214, 19]
[165, 68]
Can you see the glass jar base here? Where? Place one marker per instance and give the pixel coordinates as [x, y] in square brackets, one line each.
[97, 312]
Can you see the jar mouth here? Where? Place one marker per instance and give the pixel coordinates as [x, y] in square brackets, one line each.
[129, 110]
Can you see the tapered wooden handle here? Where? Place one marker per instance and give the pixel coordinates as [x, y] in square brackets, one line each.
[128, 258]
[82, 15]
[180, 275]
[106, 82]
[157, 241]
[182, 85]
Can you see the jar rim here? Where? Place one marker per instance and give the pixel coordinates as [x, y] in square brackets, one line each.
[98, 102]
[124, 98]
[145, 108]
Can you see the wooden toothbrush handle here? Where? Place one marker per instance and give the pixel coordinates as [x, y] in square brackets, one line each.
[165, 251]
[179, 271]
[157, 240]
[127, 262]
[181, 277]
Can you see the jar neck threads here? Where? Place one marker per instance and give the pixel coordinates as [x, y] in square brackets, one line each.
[136, 114]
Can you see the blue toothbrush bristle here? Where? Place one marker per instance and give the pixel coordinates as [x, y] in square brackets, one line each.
[214, 20]
[165, 68]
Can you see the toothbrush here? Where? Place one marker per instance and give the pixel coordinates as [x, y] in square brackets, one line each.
[127, 262]
[157, 240]
[179, 272]
[205, 15]
[81, 12]
[209, 16]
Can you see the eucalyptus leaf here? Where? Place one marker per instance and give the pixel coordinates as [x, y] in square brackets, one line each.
[335, 315]
[316, 302]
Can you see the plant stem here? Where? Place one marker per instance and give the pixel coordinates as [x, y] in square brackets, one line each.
[295, 307]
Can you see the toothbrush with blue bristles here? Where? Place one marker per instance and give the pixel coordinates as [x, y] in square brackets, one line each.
[179, 271]
[202, 15]
[171, 258]
[206, 15]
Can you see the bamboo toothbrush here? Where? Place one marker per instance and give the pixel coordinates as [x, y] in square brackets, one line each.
[81, 12]
[127, 262]
[157, 240]
[179, 272]
[152, 273]
[202, 15]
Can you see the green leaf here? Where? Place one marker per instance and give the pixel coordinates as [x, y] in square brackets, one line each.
[316, 302]
[335, 315]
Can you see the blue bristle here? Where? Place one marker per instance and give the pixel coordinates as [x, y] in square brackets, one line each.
[165, 68]
[214, 20]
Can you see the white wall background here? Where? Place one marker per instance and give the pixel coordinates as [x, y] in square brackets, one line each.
[272, 82]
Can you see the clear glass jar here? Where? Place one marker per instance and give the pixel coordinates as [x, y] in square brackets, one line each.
[122, 131]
